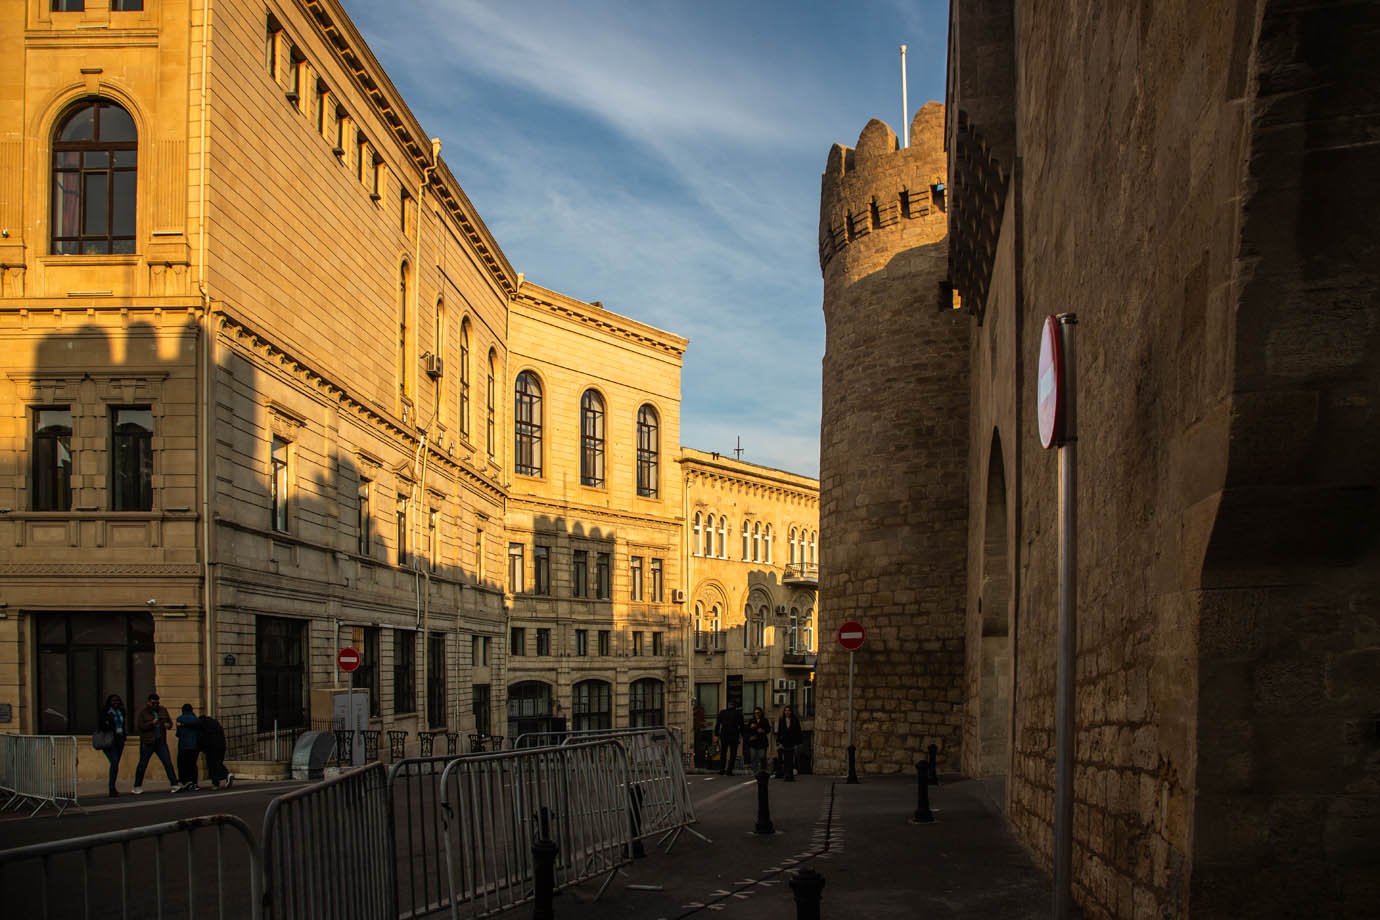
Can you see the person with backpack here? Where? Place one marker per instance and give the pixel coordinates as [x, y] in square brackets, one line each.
[212, 737]
[187, 747]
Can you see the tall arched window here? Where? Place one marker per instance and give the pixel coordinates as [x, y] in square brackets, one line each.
[747, 538]
[814, 543]
[95, 170]
[695, 542]
[646, 706]
[465, 378]
[723, 536]
[648, 452]
[757, 542]
[709, 535]
[591, 439]
[402, 330]
[527, 425]
[592, 705]
[492, 400]
[792, 545]
[766, 545]
[439, 350]
[699, 626]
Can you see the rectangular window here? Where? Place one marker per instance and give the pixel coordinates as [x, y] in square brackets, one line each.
[579, 573]
[656, 596]
[68, 6]
[658, 645]
[638, 648]
[405, 212]
[605, 643]
[541, 570]
[479, 705]
[340, 119]
[323, 101]
[436, 680]
[376, 165]
[516, 569]
[401, 514]
[366, 676]
[601, 576]
[278, 458]
[433, 539]
[126, 6]
[52, 459]
[404, 671]
[474, 651]
[492, 410]
[635, 578]
[517, 641]
[280, 672]
[297, 66]
[581, 643]
[361, 151]
[486, 647]
[364, 517]
[543, 641]
[84, 656]
[754, 695]
[272, 39]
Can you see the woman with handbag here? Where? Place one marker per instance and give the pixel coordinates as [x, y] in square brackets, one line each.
[112, 735]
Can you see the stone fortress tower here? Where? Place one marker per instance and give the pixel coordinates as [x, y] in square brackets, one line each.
[893, 453]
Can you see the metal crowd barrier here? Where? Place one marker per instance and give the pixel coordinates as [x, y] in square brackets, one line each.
[129, 873]
[328, 850]
[38, 770]
[418, 833]
[494, 806]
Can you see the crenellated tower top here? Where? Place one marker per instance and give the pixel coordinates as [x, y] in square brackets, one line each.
[877, 200]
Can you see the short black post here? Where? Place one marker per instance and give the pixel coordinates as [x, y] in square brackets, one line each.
[808, 888]
[852, 765]
[635, 801]
[923, 815]
[934, 756]
[764, 825]
[544, 851]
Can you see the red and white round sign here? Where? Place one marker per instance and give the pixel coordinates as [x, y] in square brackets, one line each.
[851, 635]
[1050, 384]
[348, 659]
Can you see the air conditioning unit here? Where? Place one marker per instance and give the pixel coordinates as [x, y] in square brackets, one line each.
[677, 596]
[433, 365]
[778, 699]
[781, 683]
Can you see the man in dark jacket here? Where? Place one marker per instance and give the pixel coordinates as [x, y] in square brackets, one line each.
[213, 749]
[727, 729]
[152, 724]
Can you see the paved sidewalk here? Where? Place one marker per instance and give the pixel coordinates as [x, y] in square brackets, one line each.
[875, 862]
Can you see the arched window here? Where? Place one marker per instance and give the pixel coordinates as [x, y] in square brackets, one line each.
[646, 703]
[529, 708]
[492, 400]
[591, 439]
[766, 545]
[709, 535]
[757, 542]
[793, 632]
[699, 626]
[95, 170]
[465, 378]
[807, 631]
[402, 330]
[792, 545]
[723, 536]
[747, 626]
[759, 628]
[527, 425]
[593, 705]
[648, 452]
[695, 544]
[747, 554]
[439, 351]
[814, 538]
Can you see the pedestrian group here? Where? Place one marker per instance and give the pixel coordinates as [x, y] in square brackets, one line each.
[196, 736]
[730, 729]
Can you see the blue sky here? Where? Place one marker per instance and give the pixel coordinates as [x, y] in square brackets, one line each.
[664, 158]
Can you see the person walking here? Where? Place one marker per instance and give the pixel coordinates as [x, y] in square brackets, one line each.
[212, 738]
[789, 737]
[188, 746]
[758, 734]
[114, 720]
[727, 729]
[153, 723]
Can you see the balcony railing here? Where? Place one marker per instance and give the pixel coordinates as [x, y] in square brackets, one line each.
[711, 640]
[801, 573]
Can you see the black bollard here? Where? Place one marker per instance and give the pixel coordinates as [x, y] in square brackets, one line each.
[764, 825]
[923, 815]
[852, 765]
[635, 800]
[544, 852]
[808, 888]
[934, 755]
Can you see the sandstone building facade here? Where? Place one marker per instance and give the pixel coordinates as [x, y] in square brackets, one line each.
[270, 387]
[1197, 182]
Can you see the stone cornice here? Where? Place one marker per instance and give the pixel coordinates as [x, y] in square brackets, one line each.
[700, 465]
[77, 570]
[369, 76]
[590, 515]
[241, 335]
[596, 317]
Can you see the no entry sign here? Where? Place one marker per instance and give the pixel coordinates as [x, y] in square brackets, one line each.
[348, 659]
[851, 635]
[1049, 386]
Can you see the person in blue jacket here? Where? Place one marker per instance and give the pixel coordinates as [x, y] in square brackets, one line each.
[188, 745]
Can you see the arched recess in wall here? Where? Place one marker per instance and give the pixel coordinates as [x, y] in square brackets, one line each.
[994, 706]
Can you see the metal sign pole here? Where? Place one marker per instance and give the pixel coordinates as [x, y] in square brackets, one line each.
[1068, 630]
